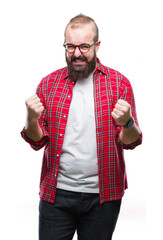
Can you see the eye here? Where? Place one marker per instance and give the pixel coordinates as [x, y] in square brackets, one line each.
[84, 47]
[70, 47]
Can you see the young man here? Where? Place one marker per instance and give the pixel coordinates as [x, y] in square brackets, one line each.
[84, 115]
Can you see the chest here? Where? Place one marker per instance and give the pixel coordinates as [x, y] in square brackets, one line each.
[101, 94]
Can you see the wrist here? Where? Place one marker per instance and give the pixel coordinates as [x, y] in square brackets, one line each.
[129, 124]
[32, 120]
[31, 124]
[33, 130]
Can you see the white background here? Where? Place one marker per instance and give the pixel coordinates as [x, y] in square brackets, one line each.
[31, 47]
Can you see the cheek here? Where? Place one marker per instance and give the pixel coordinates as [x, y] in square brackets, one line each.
[88, 56]
[68, 56]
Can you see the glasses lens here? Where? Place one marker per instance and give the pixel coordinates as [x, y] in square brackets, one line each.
[70, 48]
[84, 48]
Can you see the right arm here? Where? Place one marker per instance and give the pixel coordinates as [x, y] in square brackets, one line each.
[34, 110]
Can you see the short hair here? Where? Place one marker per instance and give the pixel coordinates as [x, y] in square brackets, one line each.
[80, 19]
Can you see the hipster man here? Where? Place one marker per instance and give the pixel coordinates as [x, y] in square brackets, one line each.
[84, 115]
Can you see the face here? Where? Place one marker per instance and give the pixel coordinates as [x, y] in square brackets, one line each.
[80, 64]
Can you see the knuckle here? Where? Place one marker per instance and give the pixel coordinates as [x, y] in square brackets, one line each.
[116, 105]
[37, 98]
[126, 108]
[26, 102]
[127, 103]
[37, 111]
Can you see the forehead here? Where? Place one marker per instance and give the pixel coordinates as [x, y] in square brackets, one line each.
[83, 33]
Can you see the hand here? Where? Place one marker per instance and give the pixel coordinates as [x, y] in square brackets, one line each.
[122, 112]
[34, 108]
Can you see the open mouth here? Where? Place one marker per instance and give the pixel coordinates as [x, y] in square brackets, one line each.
[79, 62]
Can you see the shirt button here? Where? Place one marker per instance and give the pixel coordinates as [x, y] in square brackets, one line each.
[57, 155]
[64, 116]
[60, 134]
[69, 96]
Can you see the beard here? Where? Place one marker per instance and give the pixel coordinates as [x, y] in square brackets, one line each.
[83, 72]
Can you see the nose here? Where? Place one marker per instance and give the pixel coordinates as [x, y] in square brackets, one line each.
[77, 52]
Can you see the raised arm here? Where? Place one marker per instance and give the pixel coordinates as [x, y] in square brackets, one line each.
[122, 115]
[34, 110]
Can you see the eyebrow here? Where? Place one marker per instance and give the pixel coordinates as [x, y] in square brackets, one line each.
[78, 44]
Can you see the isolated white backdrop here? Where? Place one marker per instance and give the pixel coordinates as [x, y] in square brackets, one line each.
[31, 47]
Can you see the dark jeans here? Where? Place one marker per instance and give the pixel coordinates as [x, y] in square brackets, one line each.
[77, 211]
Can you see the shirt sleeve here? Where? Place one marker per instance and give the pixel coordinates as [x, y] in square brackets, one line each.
[132, 145]
[36, 145]
[42, 123]
[127, 94]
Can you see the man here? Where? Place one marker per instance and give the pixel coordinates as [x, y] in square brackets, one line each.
[84, 115]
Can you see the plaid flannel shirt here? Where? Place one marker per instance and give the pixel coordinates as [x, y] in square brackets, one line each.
[55, 92]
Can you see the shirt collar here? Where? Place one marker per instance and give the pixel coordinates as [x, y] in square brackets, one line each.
[101, 68]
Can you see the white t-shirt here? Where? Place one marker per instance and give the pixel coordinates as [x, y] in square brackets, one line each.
[78, 170]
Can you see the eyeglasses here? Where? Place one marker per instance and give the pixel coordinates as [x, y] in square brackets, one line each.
[82, 47]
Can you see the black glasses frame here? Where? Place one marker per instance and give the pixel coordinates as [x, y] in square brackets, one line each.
[79, 46]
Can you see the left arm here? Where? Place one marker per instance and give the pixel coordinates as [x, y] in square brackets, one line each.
[122, 114]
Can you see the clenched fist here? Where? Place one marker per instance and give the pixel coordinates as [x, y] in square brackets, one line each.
[122, 112]
[34, 107]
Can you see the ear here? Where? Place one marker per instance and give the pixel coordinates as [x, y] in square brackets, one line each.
[98, 45]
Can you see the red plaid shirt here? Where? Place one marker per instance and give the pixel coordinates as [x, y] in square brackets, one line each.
[55, 92]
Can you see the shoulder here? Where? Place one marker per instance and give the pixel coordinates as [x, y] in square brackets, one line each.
[115, 77]
[117, 83]
[53, 77]
[58, 74]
